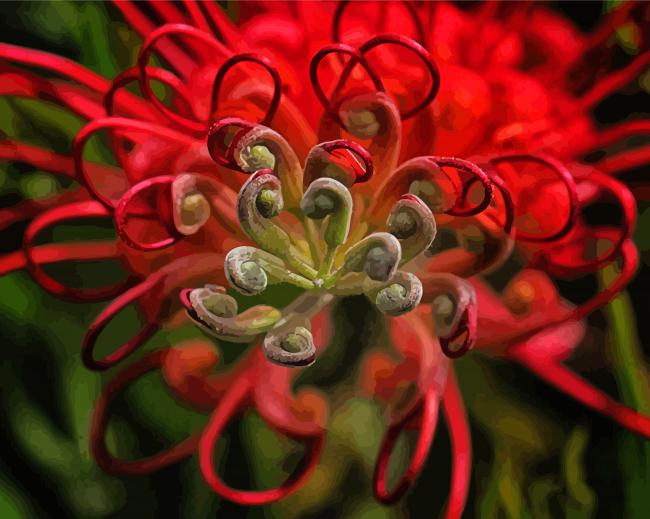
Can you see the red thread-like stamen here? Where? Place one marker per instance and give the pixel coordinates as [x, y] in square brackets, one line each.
[263, 62]
[180, 61]
[625, 161]
[37, 157]
[233, 401]
[475, 171]
[612, 135]
[123, 213]
[564, 176]
[356, 57]
[221, 148]
[340, 8]
[53, 63]
[197, 15]
[427, 416]
[413, 46]
[467, 329]
[143, 60]
[579, 389]
[611, 83]
[153, 361]
[364, 172]
[116, 123]
[133, 295]
[159, 74]
[90, 209]
[461, 446]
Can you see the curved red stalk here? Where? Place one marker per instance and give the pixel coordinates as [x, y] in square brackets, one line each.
[143, 60]
[44, 254]
[630, 259]
[340, 8]
[133, 295]
[625, 160]
[567, 179]
[28, 209]
[612, 135]
[610, 84]
[99, 424]
[89, 209]
[608, 25]
[37, 157]
[196, 15]
[235, 400]
[461, 446]
[169, 13]
[133, 74]
[226, 30]
[91, 128]
[53, 63]
[21, 83]
[177, 59]
[570, 383]
[427, 417]
[264, 63]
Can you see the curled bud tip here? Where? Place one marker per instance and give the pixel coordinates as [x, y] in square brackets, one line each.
[243, 273]
[269, 203]
[361, 123]
[401, 296]
[293, 349]
[257, 157]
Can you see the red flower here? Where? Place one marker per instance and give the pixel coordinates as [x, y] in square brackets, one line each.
[344, 184]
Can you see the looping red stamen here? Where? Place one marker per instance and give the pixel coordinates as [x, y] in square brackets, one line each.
[509, 206]
[222, 144]
[355, 57]
[567, 179]
[363, 169]
[427, 415]
[115, 123]
[233, 401]
[34, 265]
[133, 74]
[475, 171]
[133, 295]
[143, 60]
[467, 328]
[341, 6]
[127, 208]
[153, 361]
[420, 52]
[263, 62]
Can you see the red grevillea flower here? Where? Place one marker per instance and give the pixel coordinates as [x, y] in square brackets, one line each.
[325, 155]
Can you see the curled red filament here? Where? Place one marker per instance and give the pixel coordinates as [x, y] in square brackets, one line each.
[130, 206]
[426, 414]
[342, 5]
[358, 56]
[133, 295]
[466, 329]
[222, 140]
[563, 175]
[143, 60]
[86, 209]
[363, 168]
[263, 62]
[476, 172]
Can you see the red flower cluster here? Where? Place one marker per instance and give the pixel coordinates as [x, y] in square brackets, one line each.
[334, 190]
